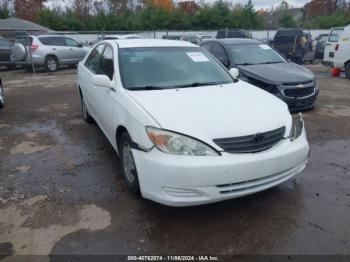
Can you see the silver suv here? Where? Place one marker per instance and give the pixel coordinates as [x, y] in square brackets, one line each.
[50, 51]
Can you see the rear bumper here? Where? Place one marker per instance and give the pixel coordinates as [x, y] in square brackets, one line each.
[186, 181]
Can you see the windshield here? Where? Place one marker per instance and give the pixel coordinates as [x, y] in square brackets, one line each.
[335, 34]
[253, 54]
[169, 67]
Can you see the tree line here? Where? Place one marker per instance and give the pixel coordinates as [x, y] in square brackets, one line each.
[135, 15]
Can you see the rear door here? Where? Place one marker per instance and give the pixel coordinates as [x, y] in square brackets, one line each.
[86, 73]
[103, 96]
[332, 41]
[56, 46]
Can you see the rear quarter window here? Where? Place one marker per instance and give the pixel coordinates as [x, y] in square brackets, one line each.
[25, 40]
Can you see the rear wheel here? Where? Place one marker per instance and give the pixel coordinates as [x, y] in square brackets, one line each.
[128, 164]
[2, 97]
[51, 64]
[347, 70]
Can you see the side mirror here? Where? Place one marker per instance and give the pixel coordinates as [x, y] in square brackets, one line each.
[102, 81]
[234, 73]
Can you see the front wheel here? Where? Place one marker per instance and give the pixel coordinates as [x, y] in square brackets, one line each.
[2, 97]
[128, 164]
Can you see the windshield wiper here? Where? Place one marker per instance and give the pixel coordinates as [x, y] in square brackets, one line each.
[245, 64]
[271, 62]
[196, 84]
[141, 88]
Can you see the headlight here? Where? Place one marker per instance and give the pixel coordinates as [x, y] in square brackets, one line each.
[176, 144]
[297, 127]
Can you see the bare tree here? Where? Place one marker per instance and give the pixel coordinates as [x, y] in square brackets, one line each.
[28, 9]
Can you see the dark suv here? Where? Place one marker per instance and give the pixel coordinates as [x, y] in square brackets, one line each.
[233, 33]
[293, 44]
[263, 67]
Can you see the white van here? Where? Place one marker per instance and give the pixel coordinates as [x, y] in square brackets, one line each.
[332, 41]
[342, 52]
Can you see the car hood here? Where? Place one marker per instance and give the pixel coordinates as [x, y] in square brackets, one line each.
[211, 112]
[278, 73]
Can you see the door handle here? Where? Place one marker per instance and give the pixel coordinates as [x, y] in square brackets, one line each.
[53, 48]
[70, 48]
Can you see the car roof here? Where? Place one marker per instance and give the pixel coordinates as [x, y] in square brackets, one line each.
[235, 41]
[134, 43]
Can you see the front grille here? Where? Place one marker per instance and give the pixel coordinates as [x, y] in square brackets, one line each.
[299, 92]
[252, 143]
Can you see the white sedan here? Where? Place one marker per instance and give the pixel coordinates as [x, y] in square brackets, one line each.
[187, 131]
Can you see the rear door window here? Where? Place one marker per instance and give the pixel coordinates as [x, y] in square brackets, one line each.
[58, 41]
[25, 40]
[52, 41]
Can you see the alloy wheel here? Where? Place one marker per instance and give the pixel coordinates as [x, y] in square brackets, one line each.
[52, 64]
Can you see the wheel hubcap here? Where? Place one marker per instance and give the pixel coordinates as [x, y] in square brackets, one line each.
[51, 64]
[128, 163]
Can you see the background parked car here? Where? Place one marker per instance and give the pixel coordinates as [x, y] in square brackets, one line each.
[116, 37]
[49, 51]
[172, 37]
[293, 44]
[263, 67]
[5, 53]
[2, 95]
[332, 42]
[342, 52]
[233, 33]
[196, 39]
[320, 46]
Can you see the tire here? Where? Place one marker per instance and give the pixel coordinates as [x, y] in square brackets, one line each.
[51, 64]
[128, 164]
[2, 97]
[347, 70]
[86, 116]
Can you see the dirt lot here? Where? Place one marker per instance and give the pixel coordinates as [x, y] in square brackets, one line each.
[61, 192]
